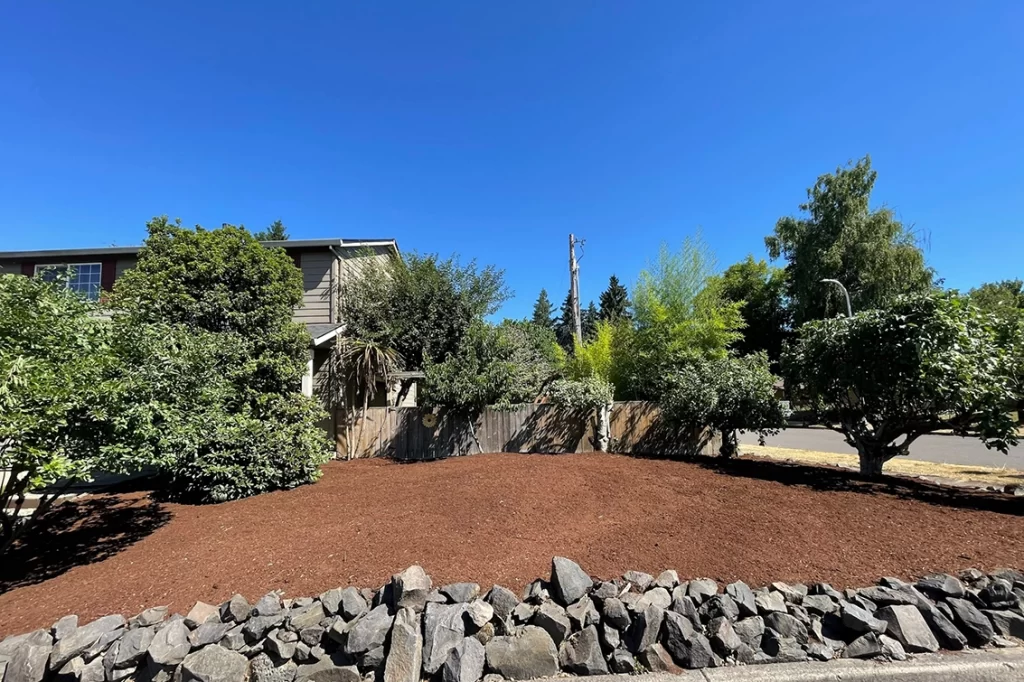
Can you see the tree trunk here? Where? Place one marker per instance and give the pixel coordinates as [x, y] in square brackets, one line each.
[730, 444]
[604, 427]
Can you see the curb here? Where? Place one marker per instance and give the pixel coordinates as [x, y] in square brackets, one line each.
[976, 666]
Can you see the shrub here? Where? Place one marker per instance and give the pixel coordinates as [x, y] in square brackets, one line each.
[723, 396]
[586, 394]
[883, 378]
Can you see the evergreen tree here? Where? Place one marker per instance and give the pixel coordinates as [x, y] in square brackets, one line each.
[542, 311]
[564, 327]
[275, 232]
[615, 301]
[589, 320]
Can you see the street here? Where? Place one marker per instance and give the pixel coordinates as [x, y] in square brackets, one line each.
[942, 449]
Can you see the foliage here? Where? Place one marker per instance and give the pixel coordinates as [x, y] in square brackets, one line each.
[565, 328]
[841, 238]
[542, 310]
[928, 362]
[215, 363]
[761, 290]
[494, 365]
[722, 396]
[422, 306]
[275, 232]
[589, 318]
[584, 394]
[679, 316]
[1003, 299]
[614, 302]
[56, 402]
[593, 358]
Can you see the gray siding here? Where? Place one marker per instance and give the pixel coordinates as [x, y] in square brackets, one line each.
[124, 263]
[317, 270]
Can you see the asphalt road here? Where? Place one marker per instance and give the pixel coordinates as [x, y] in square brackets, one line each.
[943, 449]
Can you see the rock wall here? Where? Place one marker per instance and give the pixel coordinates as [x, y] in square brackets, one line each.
[407, 630]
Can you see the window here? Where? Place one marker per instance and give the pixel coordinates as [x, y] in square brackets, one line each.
[84, 277]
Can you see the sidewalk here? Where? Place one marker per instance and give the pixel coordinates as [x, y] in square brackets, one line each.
[994, 665]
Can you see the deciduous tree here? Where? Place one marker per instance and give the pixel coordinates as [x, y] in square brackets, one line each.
[760, 289]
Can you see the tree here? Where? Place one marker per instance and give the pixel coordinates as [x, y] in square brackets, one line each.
[614, 301]
[869, 251]
[216, 305]
[542, 310]
[57, 403]
[886, 377]
[565, 326]
[760, 289]
[723, 395]
[588, 321]
[589, 379]
[1004, 298]
[275, 232]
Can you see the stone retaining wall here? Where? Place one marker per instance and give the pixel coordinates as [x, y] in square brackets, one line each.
[408, 630]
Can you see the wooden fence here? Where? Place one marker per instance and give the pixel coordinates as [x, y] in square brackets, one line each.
[412, 433]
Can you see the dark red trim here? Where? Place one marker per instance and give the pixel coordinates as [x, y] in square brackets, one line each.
[28, 268]
[108, 270]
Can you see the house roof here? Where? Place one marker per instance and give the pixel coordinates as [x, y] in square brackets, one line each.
[322, 333]
[132, 250]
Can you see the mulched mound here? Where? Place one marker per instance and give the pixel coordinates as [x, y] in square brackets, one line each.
[500, 519]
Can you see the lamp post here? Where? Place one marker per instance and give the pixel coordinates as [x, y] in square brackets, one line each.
[849, 309]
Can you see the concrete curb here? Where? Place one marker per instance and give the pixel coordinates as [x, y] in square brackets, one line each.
[1000, 665]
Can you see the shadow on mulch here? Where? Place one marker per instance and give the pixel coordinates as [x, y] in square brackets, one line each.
[80, 532]
[827, 478]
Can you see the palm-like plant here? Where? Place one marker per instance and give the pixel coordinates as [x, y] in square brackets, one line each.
[356, 367]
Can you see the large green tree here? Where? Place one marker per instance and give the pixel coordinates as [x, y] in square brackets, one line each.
[542, 310]
[614, 301]
[841, 237]
[589, 318]
[206, 317]
[275, 232]
[886, 377]
[1004, 299]
[761, 289]
[565, 328]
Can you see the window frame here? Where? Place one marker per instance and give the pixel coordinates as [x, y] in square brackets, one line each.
[39, 268]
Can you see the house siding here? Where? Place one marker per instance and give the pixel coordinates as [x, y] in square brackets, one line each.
[124, 263]
[317, 268]
[10, 267]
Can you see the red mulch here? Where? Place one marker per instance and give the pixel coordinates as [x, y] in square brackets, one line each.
[499, 519]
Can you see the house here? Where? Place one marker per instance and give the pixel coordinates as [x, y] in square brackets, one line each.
[325, 263]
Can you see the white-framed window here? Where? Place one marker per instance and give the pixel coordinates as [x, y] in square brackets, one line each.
[84, 277]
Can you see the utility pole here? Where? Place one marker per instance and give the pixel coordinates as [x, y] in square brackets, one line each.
[574, 289]
[849, 308]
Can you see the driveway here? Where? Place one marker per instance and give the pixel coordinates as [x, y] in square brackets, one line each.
[942, 449]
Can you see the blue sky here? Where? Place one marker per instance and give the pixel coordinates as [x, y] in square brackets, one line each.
[495, 129]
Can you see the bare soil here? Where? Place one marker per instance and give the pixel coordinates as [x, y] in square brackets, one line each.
[499, 519]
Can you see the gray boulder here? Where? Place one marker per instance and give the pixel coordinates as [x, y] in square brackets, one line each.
[569, 582]
[200, 613]
[656, 659]
[720, 605]
[372, 659]
[279, 644]
[149, 617]
[553, 619]
[479, 612]
[465, 663]
[743, 597]
[536, 592]
[770, 602]
[908, 627]
[687, 646]
[305, 616]
[331, 601]
[461, 593]
[611, 638]
[352, 604]
[1007, 623]
[405, 655]
[892, 649]
[208, 633]
[639, 580]
[782, 649]
[998, 594]
[328, 670]
[236, 610]
[644, 629]
[971, 622]
[750, 631]
[615, 613]
[667, 579]
[132, 647]
[581, 653]
[214, 664]
[410, 588]
[658, 596]
[170, 645]
[263, 669]
[787, 626]
[724, 640]
[584, 613]
[685, 606]
[257, 626]
[622, 662]
[701, 590]
[865, 646]
[941, 586]
[369, 631]
[948, 636]
[503, 600]
[81, 639]
[268, 605]
[444, 626]
[66, 626]
[525, 656]
[819, 604]
[26, 656]
[858, 620]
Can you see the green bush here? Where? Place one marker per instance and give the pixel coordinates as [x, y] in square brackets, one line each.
[586, 394]
[722, 396]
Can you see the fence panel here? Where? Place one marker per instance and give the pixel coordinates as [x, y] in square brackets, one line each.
[400, 432]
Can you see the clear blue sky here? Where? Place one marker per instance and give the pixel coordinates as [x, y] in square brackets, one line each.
[496, 128]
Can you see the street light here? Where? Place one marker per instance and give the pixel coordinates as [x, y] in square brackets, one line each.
[849, 309]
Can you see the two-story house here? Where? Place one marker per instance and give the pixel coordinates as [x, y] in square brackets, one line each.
[325, 265]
